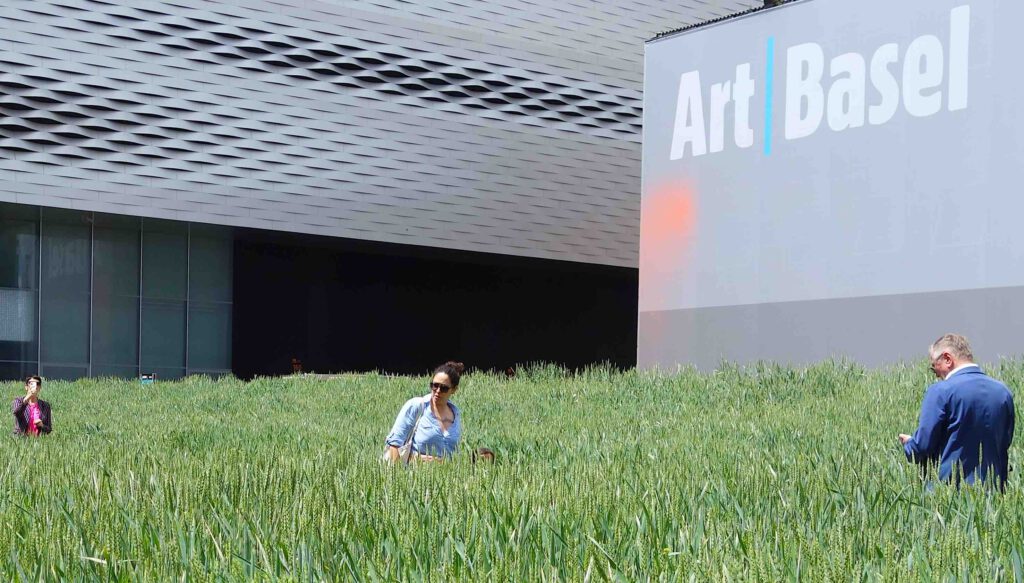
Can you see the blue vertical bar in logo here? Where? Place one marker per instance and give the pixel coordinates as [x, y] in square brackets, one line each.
[769, 88]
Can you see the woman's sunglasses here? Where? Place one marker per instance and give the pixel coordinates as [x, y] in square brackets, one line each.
[441, 387]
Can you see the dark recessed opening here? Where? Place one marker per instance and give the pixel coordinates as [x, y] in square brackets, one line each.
[345, 305]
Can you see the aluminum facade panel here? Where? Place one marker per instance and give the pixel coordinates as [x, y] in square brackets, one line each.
[504, 127]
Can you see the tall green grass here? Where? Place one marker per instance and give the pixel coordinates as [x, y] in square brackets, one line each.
[762, 473]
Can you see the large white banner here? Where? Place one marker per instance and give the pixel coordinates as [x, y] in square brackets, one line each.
[834, 149]
[833, 178]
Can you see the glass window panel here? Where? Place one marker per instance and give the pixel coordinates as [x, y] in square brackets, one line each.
[10, 211]
[116, 262]
[19, 277]
[121, 372]
[115, 339]
[64, 330]
[116, 250]
[52, 372]
[210, 262]
[165, 374]
[19, 254]
[17, 315]
[18, 325]
[64, 290]
[123, 222]
[17, 371]
[163, 334]
[209, 336]
[164, 259]
[66, 258]
[66, 217]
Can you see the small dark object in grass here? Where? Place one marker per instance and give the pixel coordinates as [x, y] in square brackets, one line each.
[484, 454]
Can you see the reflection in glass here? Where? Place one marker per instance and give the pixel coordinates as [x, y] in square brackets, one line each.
[211, 252]
[19, 247]
[64, 329]
[17, 320]
[115, 339]
[166, 374]
[121, 372]
[209, 337]
[17, 370]
[110, 295]
[53, 372]
[164, 259]
[163, 334]
[65, 281]
[164, 290]
[19, 263]
[116, 268]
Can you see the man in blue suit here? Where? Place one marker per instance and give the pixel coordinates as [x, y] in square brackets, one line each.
[967, 419]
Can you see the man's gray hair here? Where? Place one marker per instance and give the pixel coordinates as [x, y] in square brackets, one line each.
[954, 344]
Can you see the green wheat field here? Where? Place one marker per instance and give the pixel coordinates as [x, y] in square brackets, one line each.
[764, 473]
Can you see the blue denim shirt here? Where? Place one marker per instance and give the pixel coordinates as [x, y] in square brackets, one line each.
[430, 438]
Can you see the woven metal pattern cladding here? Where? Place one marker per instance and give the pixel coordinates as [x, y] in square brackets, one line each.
[506, 127]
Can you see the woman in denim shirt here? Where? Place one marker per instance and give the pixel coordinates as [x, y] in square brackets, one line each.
[437, 421]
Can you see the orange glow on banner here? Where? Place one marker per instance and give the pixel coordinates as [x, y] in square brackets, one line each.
[667, 220]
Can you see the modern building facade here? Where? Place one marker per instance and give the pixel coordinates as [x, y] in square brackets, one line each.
[192, 186]
[92, 294]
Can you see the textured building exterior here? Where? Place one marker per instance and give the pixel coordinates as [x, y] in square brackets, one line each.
[509, 128]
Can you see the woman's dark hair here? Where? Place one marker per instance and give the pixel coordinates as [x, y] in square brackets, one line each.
[483, 453]
[453, 370]
[35, 378]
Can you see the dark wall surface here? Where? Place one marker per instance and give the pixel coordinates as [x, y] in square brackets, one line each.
[341, 305]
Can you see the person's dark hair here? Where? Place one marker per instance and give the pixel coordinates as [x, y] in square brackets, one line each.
[35, 378]
[483, 453]
[453, 369]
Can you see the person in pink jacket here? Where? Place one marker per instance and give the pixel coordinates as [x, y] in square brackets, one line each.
[31, 414]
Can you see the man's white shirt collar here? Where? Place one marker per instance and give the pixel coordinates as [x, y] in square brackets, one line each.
[958, 369]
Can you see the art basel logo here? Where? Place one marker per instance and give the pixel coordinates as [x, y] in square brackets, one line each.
[927, 77]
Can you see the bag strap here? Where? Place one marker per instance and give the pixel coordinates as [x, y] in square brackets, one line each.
[412, 434]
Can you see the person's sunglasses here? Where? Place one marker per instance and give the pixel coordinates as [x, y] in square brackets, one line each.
[441, 387]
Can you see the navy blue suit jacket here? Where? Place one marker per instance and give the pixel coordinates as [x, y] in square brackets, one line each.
[966, 426]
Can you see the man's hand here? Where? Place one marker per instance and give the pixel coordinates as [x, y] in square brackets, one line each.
[904, 438]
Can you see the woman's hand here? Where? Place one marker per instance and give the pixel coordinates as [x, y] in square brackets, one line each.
[39, 422]
[429, 458]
